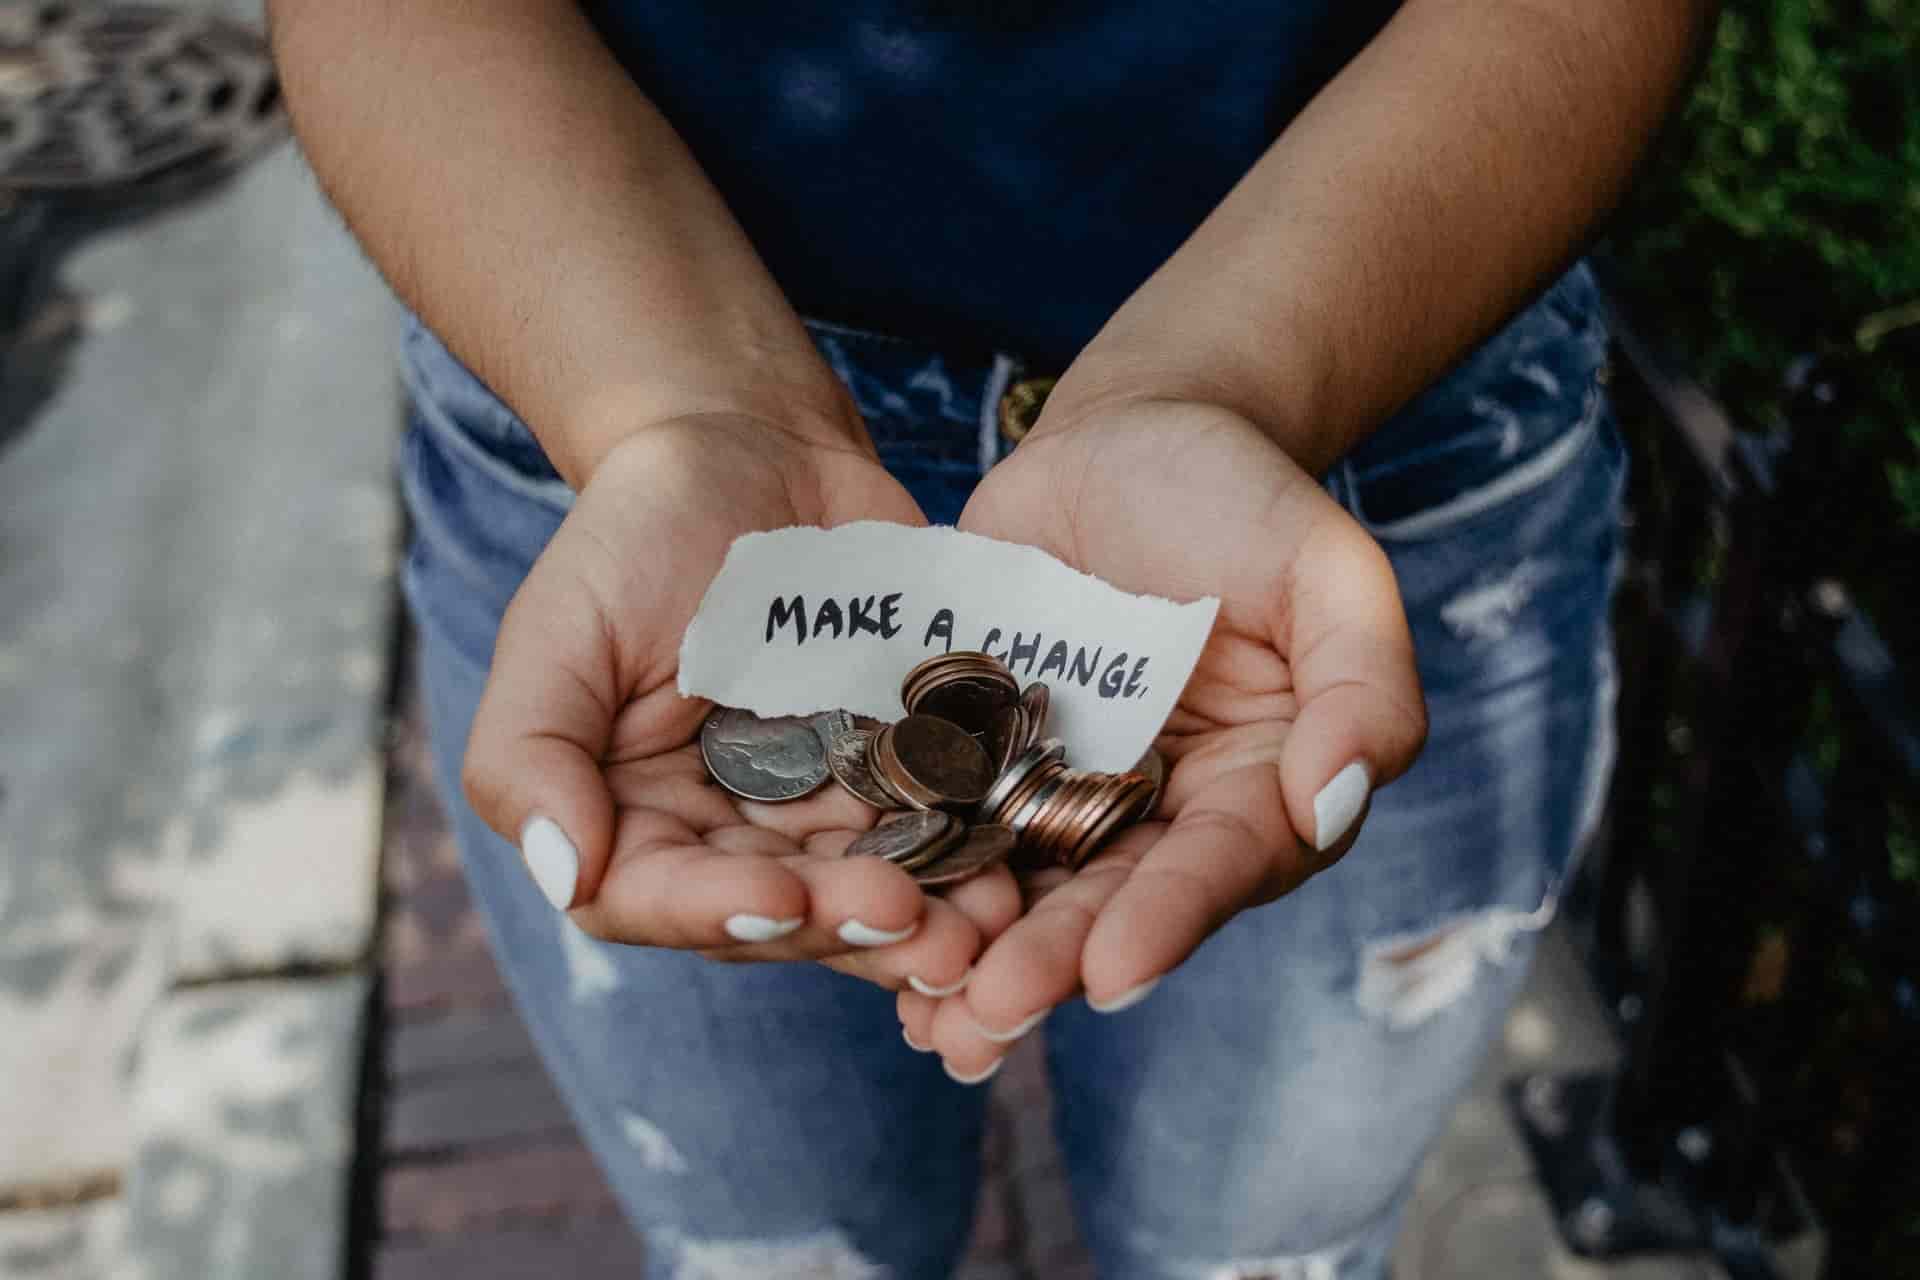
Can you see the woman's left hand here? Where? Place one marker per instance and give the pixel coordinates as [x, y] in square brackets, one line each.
[1304, 699]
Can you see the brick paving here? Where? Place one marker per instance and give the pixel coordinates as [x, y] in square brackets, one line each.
[481, 1173]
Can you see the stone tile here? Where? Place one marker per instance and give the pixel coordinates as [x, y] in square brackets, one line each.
[1043, 1209]
[1030, 1140]
[443, 1113]
[989, 1269]
[78, 1242]
[604, 1249]
[483, 1191]
[70, 1010]
[1477, 1213]
[1502, 1229]
[244, 1105]
[200, 528]
[992, 1223]
[1024, 1077]
[467, 1041]
[251, 901]
[459, 974]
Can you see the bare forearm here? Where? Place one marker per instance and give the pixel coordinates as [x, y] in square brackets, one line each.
[1426, 192]
[523, 196]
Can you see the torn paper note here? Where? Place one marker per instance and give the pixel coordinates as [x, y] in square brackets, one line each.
[803, 620]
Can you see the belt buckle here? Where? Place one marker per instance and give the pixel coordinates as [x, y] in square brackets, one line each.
[1020, 406]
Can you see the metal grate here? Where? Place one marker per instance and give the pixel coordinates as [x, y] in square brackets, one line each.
[115, 99]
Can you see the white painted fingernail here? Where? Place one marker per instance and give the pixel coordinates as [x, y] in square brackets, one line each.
[1126, 999]
[760, 928]
[928, 989]
[913, 1044]
[1004, 1037]
[855, 934]
[1339, 803]
[552, 859]
[985, 1074]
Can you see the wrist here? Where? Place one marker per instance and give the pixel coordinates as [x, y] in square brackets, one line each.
[1127, 379]
[1201, 339]
[821, 417]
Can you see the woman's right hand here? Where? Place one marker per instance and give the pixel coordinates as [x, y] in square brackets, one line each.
[584, 753]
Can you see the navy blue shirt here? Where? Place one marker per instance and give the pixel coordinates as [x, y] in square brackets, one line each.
[903, 166]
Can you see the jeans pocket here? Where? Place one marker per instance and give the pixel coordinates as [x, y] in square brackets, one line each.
[1512, 416]
[1447, 494]
[469, 422]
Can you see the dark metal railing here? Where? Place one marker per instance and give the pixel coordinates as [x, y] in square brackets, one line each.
[1751, 911]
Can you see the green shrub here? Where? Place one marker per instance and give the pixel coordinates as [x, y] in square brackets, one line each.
[1780, 215]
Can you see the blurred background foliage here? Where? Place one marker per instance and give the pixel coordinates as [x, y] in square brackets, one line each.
[1776, 227]
[1779, 217]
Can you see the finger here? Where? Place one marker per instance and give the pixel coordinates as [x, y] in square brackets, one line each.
[916, 1019]
[1230, 847]
[672, 885]
[532, 767]
[936, 961]
[968, 1056]
[744, 885]
[1035, 965]
[1362, 718]
[990, 900]
[830, 808]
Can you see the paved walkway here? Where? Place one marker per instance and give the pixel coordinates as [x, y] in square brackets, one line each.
[197, 536]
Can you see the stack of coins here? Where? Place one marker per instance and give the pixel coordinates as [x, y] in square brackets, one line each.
[968, 765]
[1065, 815]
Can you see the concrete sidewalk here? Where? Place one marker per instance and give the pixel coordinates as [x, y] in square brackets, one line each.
[197, 537]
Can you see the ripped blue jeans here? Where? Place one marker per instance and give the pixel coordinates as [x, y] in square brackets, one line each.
[1264, 1113]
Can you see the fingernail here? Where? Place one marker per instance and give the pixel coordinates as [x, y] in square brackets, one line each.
[855, 934]
[760, 928]
[1126, 999]
[1003, 1037]
[552, 859]
[984, 1074]
[1339, 803]
[913, 1044]
[928, 989]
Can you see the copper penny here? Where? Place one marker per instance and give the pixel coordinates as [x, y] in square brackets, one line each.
[969, 701]
[984, 847]
[904, 838]
[939, 763]
[993, 808]
[1037, 699]
[1008, 737]
[1153, 767]
[1126, 807]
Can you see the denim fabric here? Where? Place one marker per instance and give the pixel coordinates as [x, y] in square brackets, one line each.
[1264, 1112]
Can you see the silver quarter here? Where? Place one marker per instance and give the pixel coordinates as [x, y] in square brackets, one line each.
[831, 724]
[847, 758]
[773, 759]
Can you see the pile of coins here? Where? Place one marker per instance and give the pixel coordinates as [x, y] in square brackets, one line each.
[968, 774]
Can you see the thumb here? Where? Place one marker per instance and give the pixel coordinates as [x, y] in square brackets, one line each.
[1362, 719]
[533, 762]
